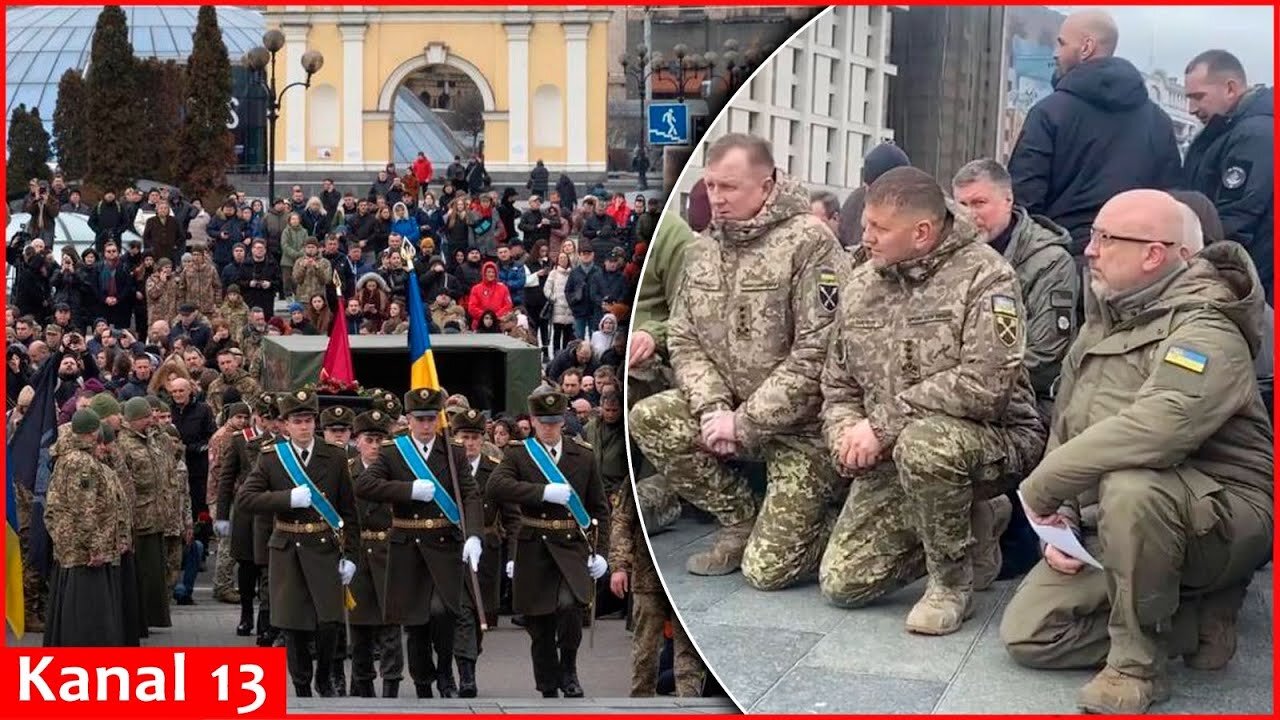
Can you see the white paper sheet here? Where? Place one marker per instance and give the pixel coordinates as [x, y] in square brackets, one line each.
[1063, 539]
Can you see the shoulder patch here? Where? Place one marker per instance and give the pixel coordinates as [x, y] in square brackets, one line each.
[1186, 358]
[582, 442]
[494, 459]
[268, 447]
[828, 289]
[388, 443]
[1004, 305]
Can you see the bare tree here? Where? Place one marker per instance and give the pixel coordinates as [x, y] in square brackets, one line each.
[468, 112]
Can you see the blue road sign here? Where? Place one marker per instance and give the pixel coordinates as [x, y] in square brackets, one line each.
[669, 124]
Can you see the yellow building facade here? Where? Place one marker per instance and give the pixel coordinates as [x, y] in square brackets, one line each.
[542, 73]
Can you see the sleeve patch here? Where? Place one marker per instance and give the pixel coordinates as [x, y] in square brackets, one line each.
[828, 290]
[1186, 358]
[1004, 305]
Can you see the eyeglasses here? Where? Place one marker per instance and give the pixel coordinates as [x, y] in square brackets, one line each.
[1098, 235]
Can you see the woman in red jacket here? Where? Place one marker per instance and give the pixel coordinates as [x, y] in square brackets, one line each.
[488, 294]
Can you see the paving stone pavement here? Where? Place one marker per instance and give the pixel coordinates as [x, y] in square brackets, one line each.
[789, 651]
[504, 672]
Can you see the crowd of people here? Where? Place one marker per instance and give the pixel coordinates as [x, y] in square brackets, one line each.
[925, 375]
[175, 321]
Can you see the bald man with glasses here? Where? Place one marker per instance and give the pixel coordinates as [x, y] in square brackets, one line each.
[1159, 459]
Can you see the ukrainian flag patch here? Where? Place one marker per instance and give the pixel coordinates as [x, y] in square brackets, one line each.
[1004, 305]
[1186, 358]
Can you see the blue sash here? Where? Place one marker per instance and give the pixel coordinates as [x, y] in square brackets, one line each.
[299, 477]
[553, 475]
[418, 466]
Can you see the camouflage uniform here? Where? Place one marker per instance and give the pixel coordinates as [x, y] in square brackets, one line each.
[240, 380]
[177, 498]
[145, 463]
[162, 298]
[224, 574]
[659, 504]
[748, 335]
[929, 351]
[650, 609]
[33, 585]
[1161, 428]
[84, 609]
[237, 317]
[311, 278]
[200, 285]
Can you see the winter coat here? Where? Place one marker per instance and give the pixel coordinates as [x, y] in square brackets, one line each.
[512, 274]
[311, 279]
[291, 242]
[250, 271]
[561, 313]
[162, 298]
[539, 178]
[378, 298]
[488, 295]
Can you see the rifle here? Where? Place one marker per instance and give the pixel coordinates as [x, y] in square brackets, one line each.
[462, 520]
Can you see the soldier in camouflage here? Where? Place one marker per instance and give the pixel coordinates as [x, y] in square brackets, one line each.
[926, 405]
[747, 339]
[84, 608]
[1160, 459]
[144, 462]
[224, 580]
[179, 529]
[650, 610]
[199, 283]
[231, 374]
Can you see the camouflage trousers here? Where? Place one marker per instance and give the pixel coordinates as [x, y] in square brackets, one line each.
[1170, 540]
[224, 569]
[798, 512]
[173, 547]
[34, 588]
[911, 515]
[658, 503]
[650, 613]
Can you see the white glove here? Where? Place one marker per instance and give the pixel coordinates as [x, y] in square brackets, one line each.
[597, 566]
[300, 497]
[423, 490]
[471, 550]
[347, 570]
[511, 568]
[557, 493]
[222, 528]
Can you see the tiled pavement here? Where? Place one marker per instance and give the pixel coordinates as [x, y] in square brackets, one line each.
[791, 652]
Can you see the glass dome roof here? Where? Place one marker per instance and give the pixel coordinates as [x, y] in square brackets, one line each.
[41, 43]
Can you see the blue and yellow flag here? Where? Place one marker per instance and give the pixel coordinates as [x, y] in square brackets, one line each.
[422, 364]
[13, 600]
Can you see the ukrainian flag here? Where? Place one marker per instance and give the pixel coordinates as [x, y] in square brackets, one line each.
[13, 600]
[422, 364]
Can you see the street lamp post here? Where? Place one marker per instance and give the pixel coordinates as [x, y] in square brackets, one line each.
[736, 67]
[257, 61]
[638, 66]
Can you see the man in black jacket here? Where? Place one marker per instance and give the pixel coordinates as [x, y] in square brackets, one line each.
[1230, 160]
[259, 278]
[1097, 135]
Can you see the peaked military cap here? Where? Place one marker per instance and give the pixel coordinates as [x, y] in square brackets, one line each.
[424, 401]
[265, 405]
[468, 419]
[373, 421]
[298, 401]
[337, 416]
[548, 406]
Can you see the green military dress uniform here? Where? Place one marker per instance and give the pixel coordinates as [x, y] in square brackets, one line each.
[307, 595]
[339, 417]
[501, 520]
[368, 587]
[552, 585]
[424, 572]
[239, 457]
[1161, 444]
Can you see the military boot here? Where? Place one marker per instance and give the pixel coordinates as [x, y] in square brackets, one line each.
[467, 679]
[1112, 692]
[989, 518]
[362, 688]
[390, 688]
[942, 610]
[725, 554]
[1217, 632]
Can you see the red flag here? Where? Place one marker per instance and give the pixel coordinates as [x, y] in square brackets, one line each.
[338, 372]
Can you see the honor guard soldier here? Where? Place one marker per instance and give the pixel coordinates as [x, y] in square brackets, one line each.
[431, 517]
[562, 540]
[368, 587]
[336, 424]
[501, 520]
[305, 483]
[239, 457]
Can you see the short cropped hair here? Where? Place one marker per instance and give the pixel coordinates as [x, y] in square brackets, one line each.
[759, 151]
[908, 188]
[1218, 62]
[830, 203]
[982, 169]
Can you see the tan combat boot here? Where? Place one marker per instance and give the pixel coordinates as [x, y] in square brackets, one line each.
[989, 520]
[725, 554]
[1217, 633]
[942, 610]
[1112, 692]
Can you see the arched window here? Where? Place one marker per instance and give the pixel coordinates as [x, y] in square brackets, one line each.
[322, 125]
[548, 117]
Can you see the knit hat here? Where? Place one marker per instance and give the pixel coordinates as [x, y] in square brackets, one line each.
[85, 422]
[136, 408]
[104, 405]
[882, 158]
[237, 408]
[156, 403]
